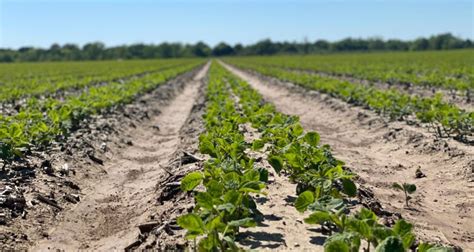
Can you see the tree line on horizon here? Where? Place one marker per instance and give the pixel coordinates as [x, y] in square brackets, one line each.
[98, 50]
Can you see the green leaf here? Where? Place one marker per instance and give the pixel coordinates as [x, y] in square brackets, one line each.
[276, 162]
[258, 144]
[304, 200]
[232, 180]
[263, 174]
[318, 217]
[252, 186]
[440, 249]
[423, 247]
[382, 232]
[215, 223]
[408, 240]
[204, 200]
[312, 138]
[410, 188]
[297, 129]
[229, 207]
[251, 175]
[350, 239]
[208, 244]
[192, 223]
[349, 187]
[336, 246]
[402, 227]
[190, 181]
[214, 188]
[327, 203]
[360, 227]
[206, 146]
[391, 244]
[232, 196]
[397, 186]
[366, 214]
[245, 222]
[231, 243]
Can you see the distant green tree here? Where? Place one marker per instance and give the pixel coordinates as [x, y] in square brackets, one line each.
[98, 51]
[376, 44]
[420, 44]
[321, 45]
[396, 45]
[71, 52]
[222, 49]
[201, 50]
[264, 47]
[93, 51]
[238, 49]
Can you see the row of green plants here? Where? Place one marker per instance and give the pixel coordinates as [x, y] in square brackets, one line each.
[223, 190]
[43, 121]
[447, 69]
[33, 79]
[446, 120]
[323, 186]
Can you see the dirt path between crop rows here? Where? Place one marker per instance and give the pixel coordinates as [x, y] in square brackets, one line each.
[282, 227]
[115, 204]
[382, 153]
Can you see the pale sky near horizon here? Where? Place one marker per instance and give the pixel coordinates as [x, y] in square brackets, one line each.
[41, 23]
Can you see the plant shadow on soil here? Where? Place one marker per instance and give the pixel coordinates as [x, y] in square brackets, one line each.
[259, 239]
[318, 240]
[290, 199]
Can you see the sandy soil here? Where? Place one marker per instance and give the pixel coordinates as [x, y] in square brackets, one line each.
[115, 203]
[282, 228]
[383, 152]
[170, 201]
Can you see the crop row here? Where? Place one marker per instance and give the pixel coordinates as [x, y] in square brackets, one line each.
[44, 121]
[443, 118]
[30, 79]
[224, 190]
[450, 70]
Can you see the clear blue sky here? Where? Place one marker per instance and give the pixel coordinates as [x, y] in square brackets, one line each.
[43, 22]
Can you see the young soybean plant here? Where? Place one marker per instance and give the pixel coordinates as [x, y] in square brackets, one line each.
[406, 188]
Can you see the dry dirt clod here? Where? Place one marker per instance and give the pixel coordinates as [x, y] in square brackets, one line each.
[147, 227]
[419, 173]
[72, 198]
[46, 167]
[189, 158]
[95, 159]
[64, 169]
[48, 201]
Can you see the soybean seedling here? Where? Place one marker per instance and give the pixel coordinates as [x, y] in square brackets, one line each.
[406, 188]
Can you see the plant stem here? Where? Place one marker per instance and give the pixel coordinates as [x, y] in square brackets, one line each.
[406, 197]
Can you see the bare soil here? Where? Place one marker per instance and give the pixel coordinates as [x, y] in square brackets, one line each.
[282, 227]
[281, 221]
[381, 153]
[122, 199]
[115, 183]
